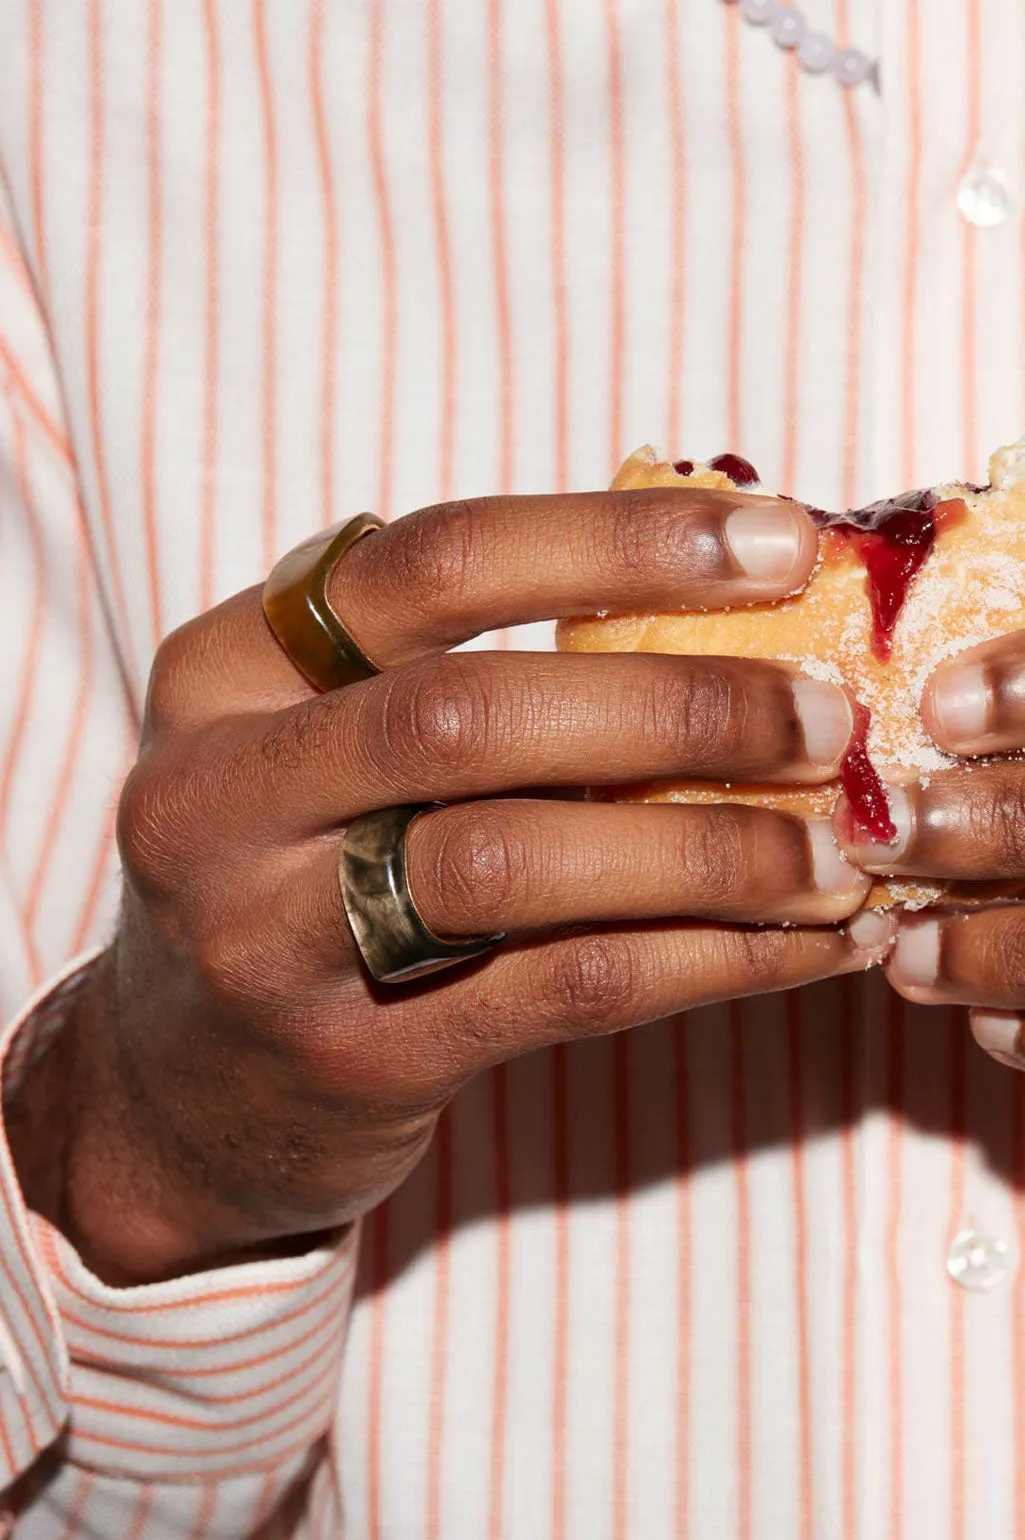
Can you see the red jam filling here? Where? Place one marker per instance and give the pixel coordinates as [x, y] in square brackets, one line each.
[862, 786]
[893, 538]
[740, 471]
[683, 467]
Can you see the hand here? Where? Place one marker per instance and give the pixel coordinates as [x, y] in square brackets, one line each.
[235, 1075]
[968, 824]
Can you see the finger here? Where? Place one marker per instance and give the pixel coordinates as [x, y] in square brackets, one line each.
[478, 724]
[445, 574]
[1001, 1034]
[521, 865]
[974, 957]
[967, 823]
[975, 703]
[606, 979]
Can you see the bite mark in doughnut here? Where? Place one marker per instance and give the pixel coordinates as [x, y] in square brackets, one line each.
[900, 586]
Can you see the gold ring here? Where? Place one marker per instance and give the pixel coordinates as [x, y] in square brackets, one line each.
[296, 606]
[393, 939]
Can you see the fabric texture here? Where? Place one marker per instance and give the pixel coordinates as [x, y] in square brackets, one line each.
[265, 264]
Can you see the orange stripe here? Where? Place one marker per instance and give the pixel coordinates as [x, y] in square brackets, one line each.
[211, 310]
[15, 263]
[264, 1502]
[500, 1392]
[806, 1466]
[1017, 1346]
[30, 660]
[621, 1348]
[850, 1111]
[211, 1449]
[895, 1189]
[736, 311]
[269, 511]
[85, 657]
[329, 324]
[557, 253]
[795, 277]
[76, 1508]
[26, 390]
[140, 1517]
[102, 861]
[684, 1274]
[205, 1513]
[204, 1425]
[151, 321]
[969, 249]
[436, 97]
[677, 230]
[389, 307]
[958, 1031]
[743, 1254]
[859, 223]
[93, 260]
[439, 1327]
[330, 1344]
[375, 1367]
[617, 211]
[496, 187]
[912, 244]
[560, 1344]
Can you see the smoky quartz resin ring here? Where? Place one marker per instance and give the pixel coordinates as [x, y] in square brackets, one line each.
[392, 938]
[297, 610]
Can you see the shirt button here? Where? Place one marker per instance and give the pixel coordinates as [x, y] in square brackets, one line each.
[977, 1260]
[982, 197]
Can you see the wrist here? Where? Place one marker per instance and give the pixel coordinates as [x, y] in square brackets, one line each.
[96, 1159]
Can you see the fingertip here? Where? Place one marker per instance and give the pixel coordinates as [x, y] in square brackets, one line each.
[956, 705]
[1001, 1035]
[872, 933]
[774, 543]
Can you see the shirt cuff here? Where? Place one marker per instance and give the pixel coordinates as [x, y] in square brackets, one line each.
[216, 1373]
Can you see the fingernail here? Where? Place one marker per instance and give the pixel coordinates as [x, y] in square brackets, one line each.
[831, 870]
[916, 957]
[871, 930]
[1000, 1033]
[873, 855]
[961, 703]
[827, 720]
[765, 540]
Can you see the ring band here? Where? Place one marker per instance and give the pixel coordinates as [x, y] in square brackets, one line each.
[394, 941]
[297, 609]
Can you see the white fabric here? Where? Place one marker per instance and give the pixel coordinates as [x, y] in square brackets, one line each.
[262, 265]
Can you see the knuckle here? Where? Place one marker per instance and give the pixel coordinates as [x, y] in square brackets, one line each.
[478, 868]
[702, 707]
[305, 731]
[438, 714]
[714, 852]
[431, 554]
[172, 667]
[999, 821]
[598, 981]
[646, 539]
[1001, 957]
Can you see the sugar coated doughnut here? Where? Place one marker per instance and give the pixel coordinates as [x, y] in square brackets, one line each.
[899, 587]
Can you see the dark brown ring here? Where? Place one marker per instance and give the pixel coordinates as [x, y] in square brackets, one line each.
[297, 609]
[392, 938]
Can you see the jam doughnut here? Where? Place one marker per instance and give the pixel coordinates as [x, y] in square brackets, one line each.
[899, 586]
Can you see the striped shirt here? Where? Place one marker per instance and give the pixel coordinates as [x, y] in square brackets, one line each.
[265, 263]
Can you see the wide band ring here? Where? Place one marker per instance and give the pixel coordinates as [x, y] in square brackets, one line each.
[394, 941]
[297, 610]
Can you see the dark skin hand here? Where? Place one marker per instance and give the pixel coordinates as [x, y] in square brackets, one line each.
[967, 823]
[231, 1081]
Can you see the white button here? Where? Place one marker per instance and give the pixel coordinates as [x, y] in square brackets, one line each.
[788, 27]
[977, 1260]
[816, 52]
[982, 197]
[760, 12]
[851, 66]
